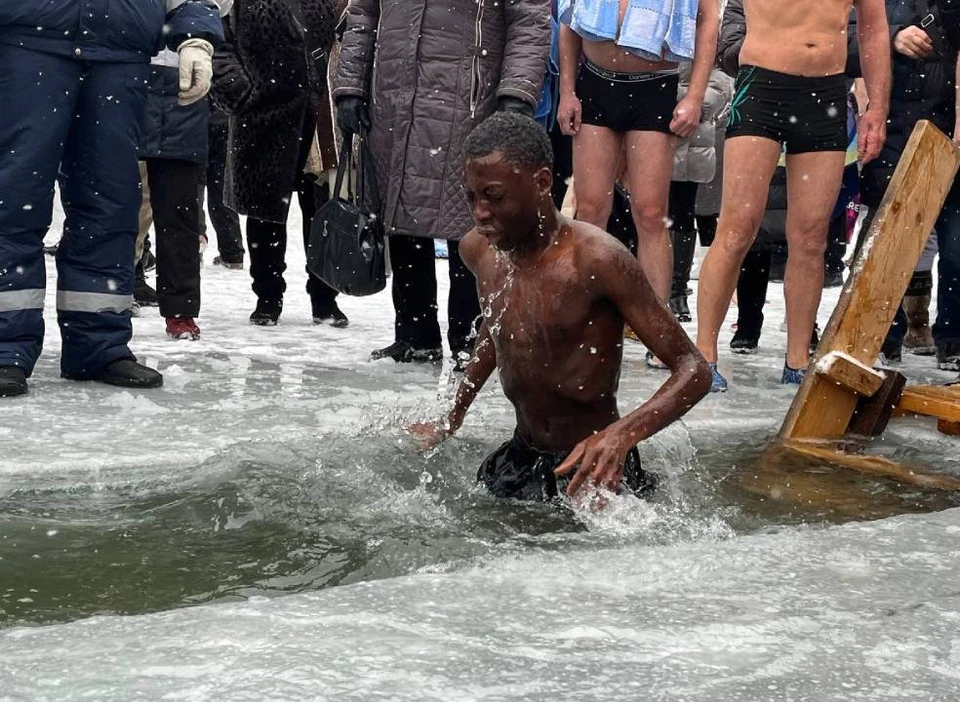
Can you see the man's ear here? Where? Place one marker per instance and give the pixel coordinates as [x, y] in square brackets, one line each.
[544, 180]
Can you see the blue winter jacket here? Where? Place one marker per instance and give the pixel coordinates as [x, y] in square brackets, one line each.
[126, 31]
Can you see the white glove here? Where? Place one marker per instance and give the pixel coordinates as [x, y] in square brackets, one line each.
[196, 70]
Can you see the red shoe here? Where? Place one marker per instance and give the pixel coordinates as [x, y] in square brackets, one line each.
[182, 328]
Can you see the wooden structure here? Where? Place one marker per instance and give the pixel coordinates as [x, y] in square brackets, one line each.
[842, 392]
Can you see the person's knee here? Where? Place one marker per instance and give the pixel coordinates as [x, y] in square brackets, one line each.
[735, 236]
[594, 208]
[809, 242]
[649, 218]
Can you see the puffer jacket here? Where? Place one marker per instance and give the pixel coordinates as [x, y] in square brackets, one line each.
[107, 30]
[274, 97]
[922, 89]
[431, 70]
[171, 130]
[696, 157]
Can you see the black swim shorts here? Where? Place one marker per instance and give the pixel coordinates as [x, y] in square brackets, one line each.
[517, 470]
[627, 102]
[805, 114]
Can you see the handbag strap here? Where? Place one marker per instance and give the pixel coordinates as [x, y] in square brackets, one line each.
[932, 24]
[344, 165]
[366, 174]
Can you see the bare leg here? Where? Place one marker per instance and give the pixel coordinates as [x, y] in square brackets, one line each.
[748, 166]
[596, 155]
[649, 168]
[813, 182]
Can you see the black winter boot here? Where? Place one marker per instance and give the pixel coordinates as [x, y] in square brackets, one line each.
[127, 373]
[143, 294]
[328, 312]
[13, 381]
[684, 248]
[402, 352]
[267, 313]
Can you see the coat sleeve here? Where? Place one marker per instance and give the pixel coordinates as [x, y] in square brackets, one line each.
[232, 90]
[357, 50]
[192, 19]
[526, 49]
[732, 32]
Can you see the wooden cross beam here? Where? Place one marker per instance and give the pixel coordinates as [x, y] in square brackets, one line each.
[823, 406]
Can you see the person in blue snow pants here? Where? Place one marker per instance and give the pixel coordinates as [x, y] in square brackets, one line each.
[72, 94]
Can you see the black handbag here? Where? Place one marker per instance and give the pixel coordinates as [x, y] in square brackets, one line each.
[347, 249]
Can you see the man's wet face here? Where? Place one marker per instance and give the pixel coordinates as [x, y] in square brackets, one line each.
[503, 198]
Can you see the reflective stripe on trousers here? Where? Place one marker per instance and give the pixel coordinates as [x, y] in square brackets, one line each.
[18, 300]
[68, 301]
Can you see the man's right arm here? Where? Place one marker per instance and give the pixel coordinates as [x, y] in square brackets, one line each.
[569, 111]
[873, 34]
[478, 370]
[357, 50]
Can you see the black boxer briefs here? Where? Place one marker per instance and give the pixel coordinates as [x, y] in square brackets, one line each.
[806, 114]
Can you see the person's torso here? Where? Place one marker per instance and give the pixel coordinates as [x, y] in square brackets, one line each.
[93, 29]
[276, 37]
[559, 344]
[800, 37]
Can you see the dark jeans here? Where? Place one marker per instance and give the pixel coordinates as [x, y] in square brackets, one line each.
[946, 330]
[174, 188]
[752, 291]
[682, 206]
[415, 295]
[226, 222]
[267, 242]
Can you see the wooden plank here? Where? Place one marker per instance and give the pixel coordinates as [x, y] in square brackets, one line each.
[873, 413]
[931, 401]
[877, 466]
[948, 428]
[822, 409]
[849, 374]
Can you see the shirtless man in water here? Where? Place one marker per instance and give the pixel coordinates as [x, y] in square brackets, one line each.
[555, 295]
[617, 99]
[791, 92]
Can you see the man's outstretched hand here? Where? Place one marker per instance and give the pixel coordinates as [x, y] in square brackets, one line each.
[429, 434]
[598, 461]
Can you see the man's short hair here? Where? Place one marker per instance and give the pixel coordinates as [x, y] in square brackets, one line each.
[522, 141]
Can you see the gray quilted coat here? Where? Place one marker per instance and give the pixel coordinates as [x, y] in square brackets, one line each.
[431, 70]
[696, 157]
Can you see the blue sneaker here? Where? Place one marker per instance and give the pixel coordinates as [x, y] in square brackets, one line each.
[719, 383]
[792, 376]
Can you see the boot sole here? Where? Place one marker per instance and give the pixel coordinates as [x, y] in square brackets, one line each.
[744, 351]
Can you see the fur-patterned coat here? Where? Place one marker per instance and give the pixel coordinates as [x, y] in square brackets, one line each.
[274, 97]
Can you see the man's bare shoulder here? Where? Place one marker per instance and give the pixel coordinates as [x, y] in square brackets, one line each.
[595, 247]
[472, 248]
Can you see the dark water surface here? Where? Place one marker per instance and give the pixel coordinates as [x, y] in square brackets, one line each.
[266, 519]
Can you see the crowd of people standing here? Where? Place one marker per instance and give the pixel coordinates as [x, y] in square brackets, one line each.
[662, 129]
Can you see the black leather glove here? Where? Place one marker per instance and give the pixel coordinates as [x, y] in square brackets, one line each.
[512, 104]
[352, 116]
